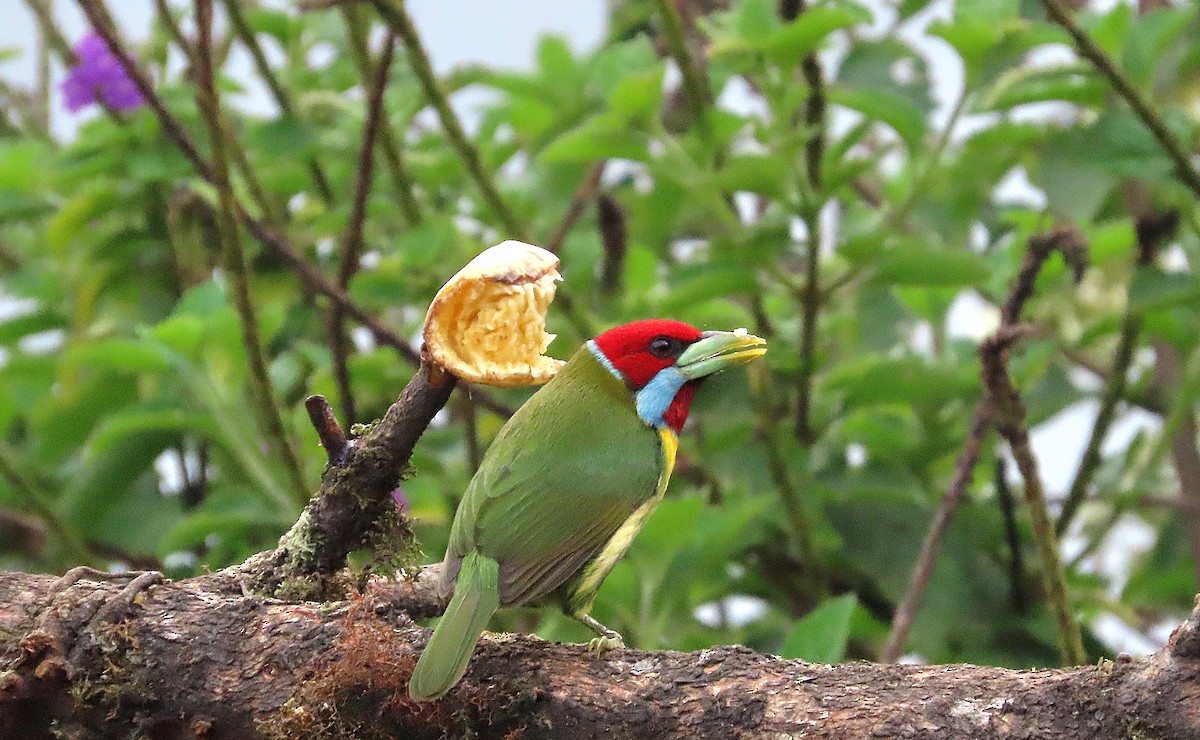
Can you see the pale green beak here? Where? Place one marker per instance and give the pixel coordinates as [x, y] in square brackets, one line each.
[717, 350]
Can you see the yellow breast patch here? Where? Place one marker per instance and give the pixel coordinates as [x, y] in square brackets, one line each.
[670, 446]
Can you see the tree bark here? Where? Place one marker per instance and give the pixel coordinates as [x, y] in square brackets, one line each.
[104, 657]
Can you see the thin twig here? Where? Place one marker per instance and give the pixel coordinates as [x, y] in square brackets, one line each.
[309, 275]
[584, 194]
[1152, 230]
[1069, 242]
[1008, 509]
[100, 22]
[235, 257]
[1090, 50]
[810, 303]
[270, 209]
[466, 410]
[614, 237]
[393, 154]
[352, 237]
[1185, 458]
[814, 112]
[172, 25]
[396, 17]
[283, 98]
[44, 16]
[41, 100]
[964, 472]
[695, 82]
[1114, 390]
[1008, 413]
[769, 410]
[810, 307]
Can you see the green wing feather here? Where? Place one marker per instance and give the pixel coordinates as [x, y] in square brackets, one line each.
[558, 481]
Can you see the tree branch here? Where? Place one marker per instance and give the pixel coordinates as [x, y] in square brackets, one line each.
[129, 657]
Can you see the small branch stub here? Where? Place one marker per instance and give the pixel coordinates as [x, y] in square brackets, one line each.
[333, 439]
[488, 323]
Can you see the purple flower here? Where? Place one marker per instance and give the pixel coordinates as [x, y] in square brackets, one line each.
[400, 499]
[98, 74]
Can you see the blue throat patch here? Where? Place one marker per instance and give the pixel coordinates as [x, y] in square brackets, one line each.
[655, 398]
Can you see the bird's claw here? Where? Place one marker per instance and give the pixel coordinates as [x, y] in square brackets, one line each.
[610, 640]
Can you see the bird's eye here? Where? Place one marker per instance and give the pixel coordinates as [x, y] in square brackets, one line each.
[664, 348]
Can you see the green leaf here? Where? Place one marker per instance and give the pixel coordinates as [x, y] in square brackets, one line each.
[76, 214]
[1152, 289]
[118, 354]
[706, 283]
[19, 327]
[273, 22]
[123, 425]
[788, 45]
[16, 206]
[601, 137]
[23, 165]
[181, 333]
[911, 264]
[284, 137]
[1149, 38]
[822, 635]
[876, 380]
[755, 173]
[897, 111]
[751, 22]
[1072, 83]
[638, 96]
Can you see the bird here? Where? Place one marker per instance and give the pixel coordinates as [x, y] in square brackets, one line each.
[568, 482]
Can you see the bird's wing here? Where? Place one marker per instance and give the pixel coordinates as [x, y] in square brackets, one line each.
[557, 483]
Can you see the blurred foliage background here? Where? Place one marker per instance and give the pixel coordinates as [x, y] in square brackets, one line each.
[796, 178]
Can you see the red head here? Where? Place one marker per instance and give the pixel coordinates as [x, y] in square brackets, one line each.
[641, 349]
[662, 362]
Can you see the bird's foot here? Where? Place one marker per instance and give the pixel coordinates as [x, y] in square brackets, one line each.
[605, 640]
[609, 640]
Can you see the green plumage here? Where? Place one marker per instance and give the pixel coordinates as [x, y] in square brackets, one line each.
[562, 477]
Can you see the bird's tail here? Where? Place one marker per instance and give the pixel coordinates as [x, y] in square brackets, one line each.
[445, 658]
